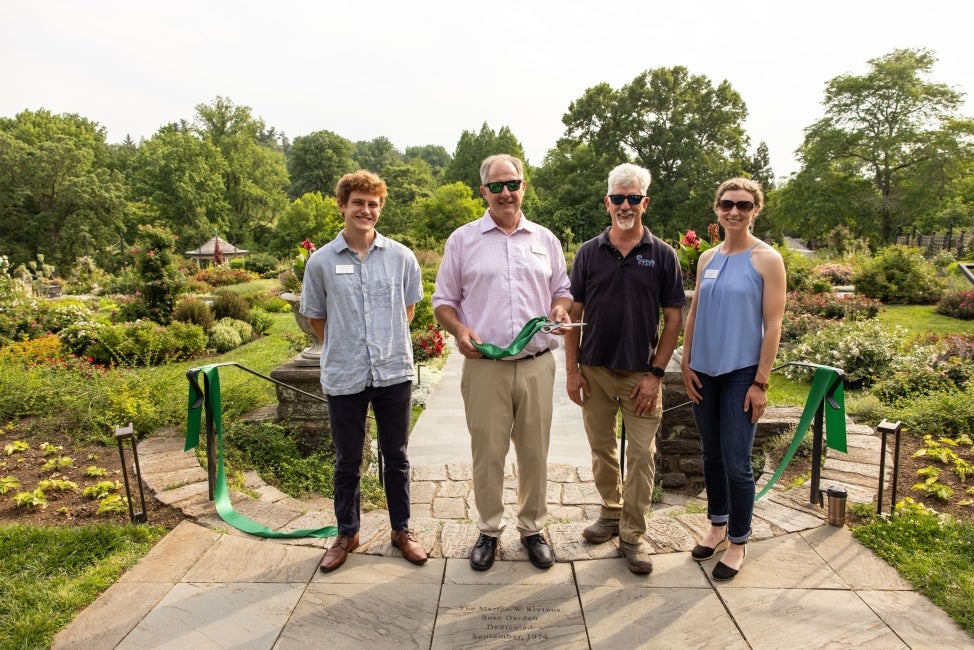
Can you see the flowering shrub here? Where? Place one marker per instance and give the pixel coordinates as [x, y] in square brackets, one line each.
[865, 350]
[834, 306]
[930, 366]
[49, 353]
[159, 279]
[21, 320]
[428, 343]
[224, 337]
[223, 276]
[959, 304]
[689, 250]
[835, 273]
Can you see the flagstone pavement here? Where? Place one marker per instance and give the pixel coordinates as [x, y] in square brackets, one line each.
[805, 584]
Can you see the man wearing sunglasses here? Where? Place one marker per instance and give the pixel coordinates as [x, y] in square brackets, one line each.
[498, 273]
[621, 281]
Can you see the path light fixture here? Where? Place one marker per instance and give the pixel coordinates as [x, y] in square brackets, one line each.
[122, 434]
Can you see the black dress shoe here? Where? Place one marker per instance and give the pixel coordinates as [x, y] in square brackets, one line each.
[538, 551]
[482, 555]
[701, 552]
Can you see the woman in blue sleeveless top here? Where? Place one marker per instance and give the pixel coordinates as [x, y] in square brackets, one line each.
[729, 345]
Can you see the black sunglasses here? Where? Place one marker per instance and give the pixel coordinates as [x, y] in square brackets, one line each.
[498, 186]
[617, 199]
[742, 206]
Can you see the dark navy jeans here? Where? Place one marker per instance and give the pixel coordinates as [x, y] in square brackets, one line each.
[727, 437]
[392, 407]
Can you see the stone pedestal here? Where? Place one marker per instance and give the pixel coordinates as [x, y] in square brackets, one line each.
[679, 464]
[306, 416]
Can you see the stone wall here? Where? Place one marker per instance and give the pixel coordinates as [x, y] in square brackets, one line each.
[679, 465]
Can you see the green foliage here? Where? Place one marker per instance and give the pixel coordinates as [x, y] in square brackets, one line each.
[864, 349]
[145, 343]
[930, 364]
[262, 264]
[195, 311]
[316, 161]
[450, 207]
[243, 328]
[227, 304]
[798, 269]
[224, 338]
[49, 573]
[8, 483]
[261, 321]
[689, 249]
[948, 413]
[160, 281]
[101, 489]
[898, 275]
[57, 464]
[934, 553]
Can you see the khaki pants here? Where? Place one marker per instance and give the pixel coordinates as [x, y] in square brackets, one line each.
[509, 401]
[610, 391]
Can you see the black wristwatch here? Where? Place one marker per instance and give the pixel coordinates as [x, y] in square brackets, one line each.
[656, 370]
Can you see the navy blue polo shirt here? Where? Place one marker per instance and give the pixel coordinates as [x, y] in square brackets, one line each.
[623, 297]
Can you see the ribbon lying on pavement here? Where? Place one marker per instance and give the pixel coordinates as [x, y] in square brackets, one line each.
[198, 398]
[530, 328]
[825, 378]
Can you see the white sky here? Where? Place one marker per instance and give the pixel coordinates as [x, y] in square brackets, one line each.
[421, 72]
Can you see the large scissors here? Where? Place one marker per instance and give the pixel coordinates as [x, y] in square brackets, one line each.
[551, 326]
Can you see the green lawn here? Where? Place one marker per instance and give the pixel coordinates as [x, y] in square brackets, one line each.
[920, 319]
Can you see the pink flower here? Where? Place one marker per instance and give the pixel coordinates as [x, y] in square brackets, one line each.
[690, 239]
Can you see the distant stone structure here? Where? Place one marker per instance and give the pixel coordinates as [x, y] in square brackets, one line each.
[216, 251]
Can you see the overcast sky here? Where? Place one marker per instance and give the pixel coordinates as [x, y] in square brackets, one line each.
[423, 72]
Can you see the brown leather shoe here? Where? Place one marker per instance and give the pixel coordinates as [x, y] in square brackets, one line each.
[338, 553]
[407, 542]
[637, 556]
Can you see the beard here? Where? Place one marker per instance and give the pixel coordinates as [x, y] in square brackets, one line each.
[624, 223]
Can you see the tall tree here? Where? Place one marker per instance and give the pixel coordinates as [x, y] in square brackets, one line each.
[316, 161]
[407, 182]
[376, 155]
[886, 126]
[311, 216]
[570, 185]
[436, 156]
[57, 193]
[473, 148]
[686, 131]
[180, 180]
[448, 208]
[255, 178]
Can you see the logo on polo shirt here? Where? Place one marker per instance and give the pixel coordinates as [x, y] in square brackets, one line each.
[642, 261]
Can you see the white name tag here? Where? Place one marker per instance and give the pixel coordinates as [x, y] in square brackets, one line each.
[537, 249]
[344, 268]
[711, 274]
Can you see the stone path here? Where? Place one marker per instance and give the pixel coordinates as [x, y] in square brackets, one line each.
[442, 494]
[206, 585]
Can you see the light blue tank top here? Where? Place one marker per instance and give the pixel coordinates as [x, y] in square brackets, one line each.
[729, 324]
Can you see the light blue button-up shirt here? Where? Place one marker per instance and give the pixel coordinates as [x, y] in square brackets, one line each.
[363, 304]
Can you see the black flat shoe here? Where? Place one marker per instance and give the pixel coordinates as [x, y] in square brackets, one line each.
[482, 555]
[701, 552]
[538, 551]
[722, 572]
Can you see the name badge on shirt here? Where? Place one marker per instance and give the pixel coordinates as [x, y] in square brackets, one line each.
[341, 269]
[538, 249]
[711, 274]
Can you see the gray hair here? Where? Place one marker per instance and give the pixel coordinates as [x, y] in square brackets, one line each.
[505, 157]
[629, 175]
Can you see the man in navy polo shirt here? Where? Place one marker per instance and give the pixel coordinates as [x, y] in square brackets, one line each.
[621, 281]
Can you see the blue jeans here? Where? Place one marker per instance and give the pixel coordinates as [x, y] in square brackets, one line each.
[392, 407]
[727, 438]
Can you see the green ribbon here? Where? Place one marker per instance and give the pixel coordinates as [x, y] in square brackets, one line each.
[835, 433]
[198, 397]
[530, 328]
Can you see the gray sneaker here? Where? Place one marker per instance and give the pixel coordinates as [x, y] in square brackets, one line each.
[637, 556]
[601, 531]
